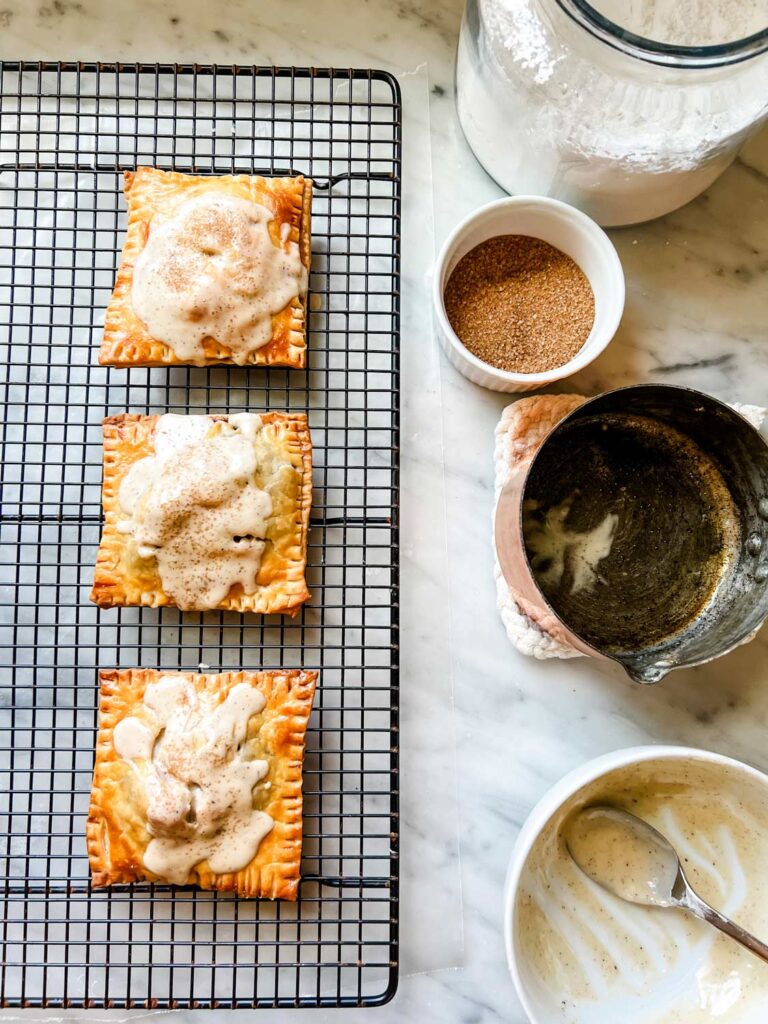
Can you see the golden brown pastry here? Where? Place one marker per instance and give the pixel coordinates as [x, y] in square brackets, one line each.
[205, 512]
[197, 779]
[213, 270]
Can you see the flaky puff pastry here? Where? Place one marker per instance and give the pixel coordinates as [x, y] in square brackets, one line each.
[126, 340]
[121, 578]
[116, 829]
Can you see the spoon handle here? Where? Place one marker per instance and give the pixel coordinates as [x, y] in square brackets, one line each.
[703, 910]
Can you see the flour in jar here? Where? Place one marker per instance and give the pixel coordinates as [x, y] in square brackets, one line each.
[687, 22]
[550, 109]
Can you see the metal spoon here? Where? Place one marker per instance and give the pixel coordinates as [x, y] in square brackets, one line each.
[629, 858]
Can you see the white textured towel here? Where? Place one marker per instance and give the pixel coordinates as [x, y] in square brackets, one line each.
[519, 432]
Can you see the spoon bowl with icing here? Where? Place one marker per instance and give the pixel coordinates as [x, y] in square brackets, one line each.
[583, 953]
[625, 855]
[634, 861]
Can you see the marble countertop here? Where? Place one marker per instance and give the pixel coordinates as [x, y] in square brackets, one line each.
[500, 729]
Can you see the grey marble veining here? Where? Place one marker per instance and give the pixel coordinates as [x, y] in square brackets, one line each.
[502, 728]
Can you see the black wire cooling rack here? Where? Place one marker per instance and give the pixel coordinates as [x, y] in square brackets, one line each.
[66, 133]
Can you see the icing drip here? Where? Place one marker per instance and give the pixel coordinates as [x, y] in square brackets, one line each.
[194, 507]
[210, 269]
[198, 780]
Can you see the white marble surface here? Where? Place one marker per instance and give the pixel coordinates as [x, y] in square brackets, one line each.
[697, 296]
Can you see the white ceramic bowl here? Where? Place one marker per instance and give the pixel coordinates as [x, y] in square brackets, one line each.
[569, 230]
[550, 804]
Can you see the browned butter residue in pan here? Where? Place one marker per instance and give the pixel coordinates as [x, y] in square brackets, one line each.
[674, 529]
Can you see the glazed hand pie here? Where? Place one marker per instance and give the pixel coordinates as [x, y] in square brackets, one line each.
[213, 270]
[205, 512]
[197, 780]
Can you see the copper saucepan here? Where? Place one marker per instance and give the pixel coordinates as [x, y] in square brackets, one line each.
[668, 489]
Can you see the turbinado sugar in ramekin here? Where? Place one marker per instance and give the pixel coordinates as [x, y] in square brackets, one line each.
[520, 304]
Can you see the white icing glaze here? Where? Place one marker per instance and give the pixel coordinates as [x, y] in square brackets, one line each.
[199, 782]
[135, 485]
[247, 423]
[194, 507]
[210, 269]
[554, 547]
[173, 433]
[623, 856]
[133, 739]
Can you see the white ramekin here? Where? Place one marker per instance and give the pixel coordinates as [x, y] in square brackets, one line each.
[550, 803]
[569, 230]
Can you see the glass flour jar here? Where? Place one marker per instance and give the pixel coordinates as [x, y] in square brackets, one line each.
[556, 99]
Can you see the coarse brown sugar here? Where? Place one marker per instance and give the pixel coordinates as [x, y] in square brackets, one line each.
[520, 304]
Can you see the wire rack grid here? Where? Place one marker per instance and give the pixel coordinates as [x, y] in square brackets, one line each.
[67, 131]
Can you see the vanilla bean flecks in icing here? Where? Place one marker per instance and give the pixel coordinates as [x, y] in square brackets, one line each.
[589, 957]
[197, 777]
[210, 269]
[194, 507]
